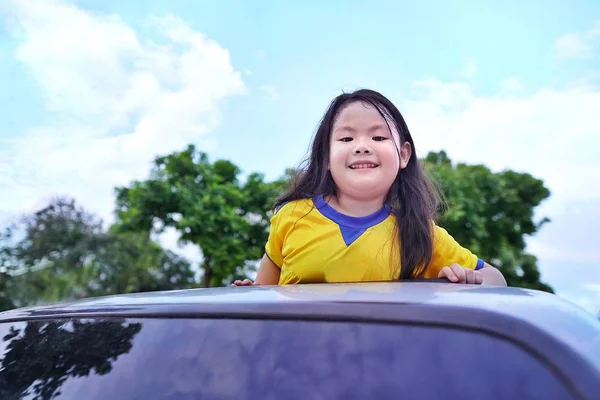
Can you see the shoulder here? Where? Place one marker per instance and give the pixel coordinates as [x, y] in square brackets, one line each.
[293, 209]
[441, 237]
[439, 232]
[287, 215]
[437, 229]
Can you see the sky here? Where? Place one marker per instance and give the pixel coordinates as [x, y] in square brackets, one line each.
[93, 90]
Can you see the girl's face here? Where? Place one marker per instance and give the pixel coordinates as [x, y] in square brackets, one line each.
[364, 156]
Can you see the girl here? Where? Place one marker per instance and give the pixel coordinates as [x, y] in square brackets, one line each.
[363, 209]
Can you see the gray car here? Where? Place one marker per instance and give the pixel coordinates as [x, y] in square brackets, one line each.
[400, 340]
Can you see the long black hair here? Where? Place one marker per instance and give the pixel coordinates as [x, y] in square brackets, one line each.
[412, 197]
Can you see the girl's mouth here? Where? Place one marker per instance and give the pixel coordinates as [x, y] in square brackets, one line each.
[363, 165]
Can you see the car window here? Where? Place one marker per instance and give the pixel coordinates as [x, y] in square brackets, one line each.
[251, 359]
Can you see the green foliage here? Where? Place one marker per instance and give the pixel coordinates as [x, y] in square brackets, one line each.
[6, 267]
[134, 263]
[52, 259]
[6, 302]
[65, 254]
[492, 214]
[207, 205]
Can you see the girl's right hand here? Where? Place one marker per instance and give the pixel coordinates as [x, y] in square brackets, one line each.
[455, 273]
[245, 282]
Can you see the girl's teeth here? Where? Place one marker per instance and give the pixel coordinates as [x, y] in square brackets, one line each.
[359, 166]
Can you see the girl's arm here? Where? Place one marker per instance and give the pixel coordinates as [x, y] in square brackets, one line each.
[268, 274]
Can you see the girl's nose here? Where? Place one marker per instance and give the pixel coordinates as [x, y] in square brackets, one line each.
[361, 148]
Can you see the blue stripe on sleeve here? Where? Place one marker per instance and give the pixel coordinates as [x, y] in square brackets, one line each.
[479, 265]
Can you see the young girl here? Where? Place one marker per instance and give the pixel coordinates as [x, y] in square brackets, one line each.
[363, 209]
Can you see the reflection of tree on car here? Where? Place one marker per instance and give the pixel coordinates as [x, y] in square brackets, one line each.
[32, 367]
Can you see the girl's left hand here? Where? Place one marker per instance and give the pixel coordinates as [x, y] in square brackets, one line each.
[457, 274]
[245, 282]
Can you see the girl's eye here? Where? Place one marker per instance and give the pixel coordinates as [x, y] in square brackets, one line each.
[379, 138]
[346, 139]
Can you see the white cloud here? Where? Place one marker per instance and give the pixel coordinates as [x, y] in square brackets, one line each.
[573, 45]
[551, 134]
[269, 92]
[116, 99]
[593, 287]
[447, 97]
[550, 251]
[578, 45]
[470, 68]
[510, 86]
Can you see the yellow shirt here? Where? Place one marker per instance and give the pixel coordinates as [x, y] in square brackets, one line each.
[312, 243]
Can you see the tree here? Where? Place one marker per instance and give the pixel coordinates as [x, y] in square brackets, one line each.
[492, 214]
[131, 263]
[51, 262]
[207, 205]
[6, 267]
[65, 253]
[5, 300]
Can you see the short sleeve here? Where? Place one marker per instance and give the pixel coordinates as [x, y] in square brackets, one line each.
[277, 232]
[447, 251]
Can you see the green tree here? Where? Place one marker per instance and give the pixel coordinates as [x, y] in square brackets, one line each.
[5, 300]
[208, 206]
[65, 253]
[492, 214]
[51, 261]
[6, 266]
[131, 263]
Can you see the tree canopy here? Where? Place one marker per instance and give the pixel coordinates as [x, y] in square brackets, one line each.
[64, 253]
[207, 205]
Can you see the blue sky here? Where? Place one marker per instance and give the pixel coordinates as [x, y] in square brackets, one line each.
[92, 90]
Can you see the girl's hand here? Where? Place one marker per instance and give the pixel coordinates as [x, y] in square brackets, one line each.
[457, 274]
[245, 282]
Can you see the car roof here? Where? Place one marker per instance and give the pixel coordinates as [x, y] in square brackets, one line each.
[546, 310]
[551, 327]
[561, 334]
[513, 301]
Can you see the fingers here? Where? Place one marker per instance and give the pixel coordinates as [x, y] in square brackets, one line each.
[469, 278]
[474, 277]
[245, 282]
[446, 272]
[457, 274]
